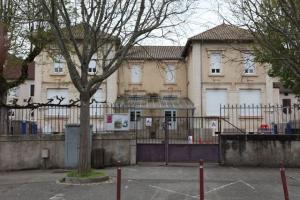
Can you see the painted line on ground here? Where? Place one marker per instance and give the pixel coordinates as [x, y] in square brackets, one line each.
[175, 192]
[229, 184]
[222, 186]
[57, 197]
[250, 186]
[154, 195]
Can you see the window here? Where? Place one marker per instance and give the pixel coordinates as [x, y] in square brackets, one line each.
[93, 64]
[96, 100]
[57, 94]
[170, 74]
[58, 64]
[286, 103]
[14, 92]
[171, 119]
[249, 66]
[31, 90]
[135, 115]
[136, 74]
[135, 119]
[250, 100]
[214, 100]
[215, 63]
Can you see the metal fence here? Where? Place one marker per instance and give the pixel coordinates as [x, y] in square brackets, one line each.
[260, 119]
[177, 130]
[237, 119]
[51, 119]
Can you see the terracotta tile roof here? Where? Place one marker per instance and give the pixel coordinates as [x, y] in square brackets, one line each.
[224, 32]
[155, 52]
[12, 69]
[78, 33]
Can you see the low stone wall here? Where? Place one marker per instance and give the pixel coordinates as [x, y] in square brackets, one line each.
[118, 147]
[25, 152]
[260, 150]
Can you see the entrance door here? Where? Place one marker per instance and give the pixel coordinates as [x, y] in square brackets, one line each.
[135, 119]
[171, 118]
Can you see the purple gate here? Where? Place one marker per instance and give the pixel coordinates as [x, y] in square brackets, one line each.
[177, 139]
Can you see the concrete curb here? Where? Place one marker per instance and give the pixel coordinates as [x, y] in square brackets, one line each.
[75, 180]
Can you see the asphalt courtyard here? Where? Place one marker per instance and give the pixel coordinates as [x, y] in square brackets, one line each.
[144, 182]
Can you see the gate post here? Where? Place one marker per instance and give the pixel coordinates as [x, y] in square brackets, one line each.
[119, 174]
[284, 183]
[166, 142]
[201, 180]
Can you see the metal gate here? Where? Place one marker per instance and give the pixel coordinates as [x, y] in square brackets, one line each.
[177, 139]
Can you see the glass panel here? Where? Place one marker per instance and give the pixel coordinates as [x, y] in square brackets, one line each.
[58, 62]
[249, 66]
[132, 116]
[215, 60]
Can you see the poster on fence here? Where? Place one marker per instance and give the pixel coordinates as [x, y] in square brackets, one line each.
[117, 122]
[148, 122]
[213, 124]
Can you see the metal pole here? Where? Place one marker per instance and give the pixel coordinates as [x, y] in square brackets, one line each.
[119, 183]
[166, 141]
[201, 180]
[284, 183]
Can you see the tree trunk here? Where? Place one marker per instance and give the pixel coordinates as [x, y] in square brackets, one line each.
[85, 143]
[3, 116]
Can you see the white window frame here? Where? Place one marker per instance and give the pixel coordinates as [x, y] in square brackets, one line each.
[215, 70]
[170, 76]
[136, 70]
[58, 64]
[93, 65]
[172, 121]
[248, 63]
[250, 109]
[137, 115]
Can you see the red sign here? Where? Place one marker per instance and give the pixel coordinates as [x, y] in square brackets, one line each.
[109, 119]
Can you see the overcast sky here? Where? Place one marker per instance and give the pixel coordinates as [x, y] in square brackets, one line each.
[205, 16]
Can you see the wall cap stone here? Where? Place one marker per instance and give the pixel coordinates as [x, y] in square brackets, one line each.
[281, 137]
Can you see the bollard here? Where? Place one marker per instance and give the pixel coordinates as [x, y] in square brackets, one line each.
[284, 183]
[201, 180]
[119, 183]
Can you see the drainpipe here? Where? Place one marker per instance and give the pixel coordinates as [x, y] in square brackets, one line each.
[201, 77]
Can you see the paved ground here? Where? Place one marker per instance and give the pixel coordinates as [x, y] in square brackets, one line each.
[155, 183]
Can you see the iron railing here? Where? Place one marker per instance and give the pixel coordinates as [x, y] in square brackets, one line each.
[233, 119]
[51, 119]
[177, 130]
[260, 119]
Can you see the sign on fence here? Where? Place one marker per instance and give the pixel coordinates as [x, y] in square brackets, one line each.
[148, 122]
[117, 122]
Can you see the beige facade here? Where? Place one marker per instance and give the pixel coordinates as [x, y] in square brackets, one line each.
[153, 78]
[191, 73]
[231, 78]
[47, 79]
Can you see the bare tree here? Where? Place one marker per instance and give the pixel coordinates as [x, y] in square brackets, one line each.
[275, 27]
[18, 20]
[111, 27]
